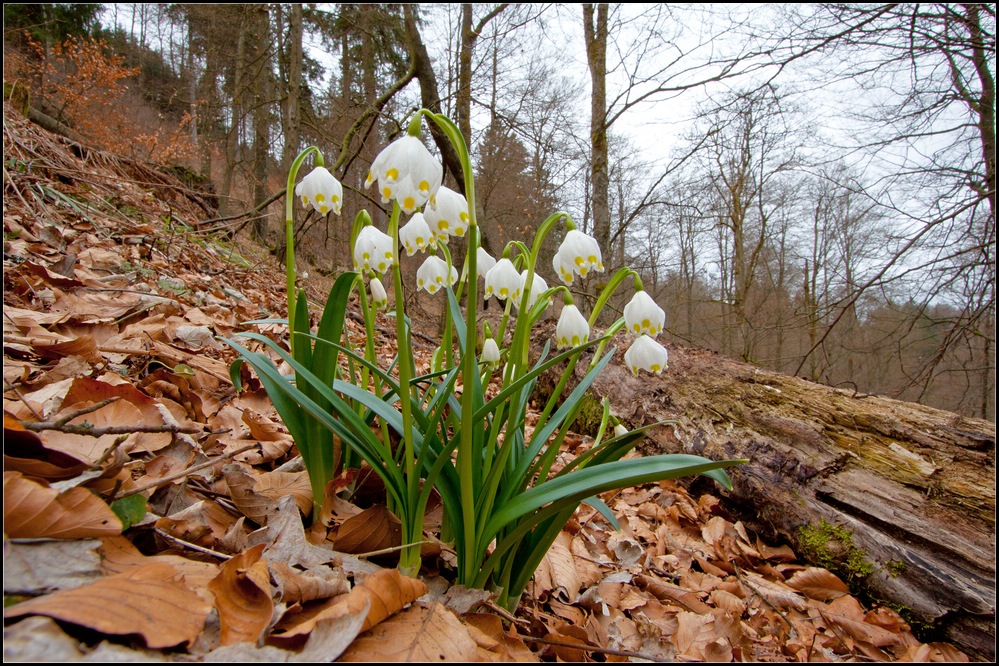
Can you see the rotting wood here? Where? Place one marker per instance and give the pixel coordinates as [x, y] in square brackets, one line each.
[912, 487]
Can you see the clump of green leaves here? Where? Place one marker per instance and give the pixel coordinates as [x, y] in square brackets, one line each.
[505, 499]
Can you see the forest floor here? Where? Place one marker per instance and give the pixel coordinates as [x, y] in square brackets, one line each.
[151, 512]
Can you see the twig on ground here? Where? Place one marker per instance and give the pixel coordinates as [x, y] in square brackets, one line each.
[188, 471]
[192, 546]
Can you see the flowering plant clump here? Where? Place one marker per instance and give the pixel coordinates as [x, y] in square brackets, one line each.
[504, 502]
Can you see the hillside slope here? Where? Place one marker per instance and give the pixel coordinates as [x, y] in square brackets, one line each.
[113, 299]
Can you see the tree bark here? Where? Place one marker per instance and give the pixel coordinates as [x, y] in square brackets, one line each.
[914, 485]
[595, 30]
[429, 95]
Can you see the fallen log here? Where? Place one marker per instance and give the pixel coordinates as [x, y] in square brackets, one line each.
[896, 497]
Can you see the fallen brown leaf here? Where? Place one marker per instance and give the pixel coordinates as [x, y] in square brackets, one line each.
[149, 601]
[242, 593]
[31, 510]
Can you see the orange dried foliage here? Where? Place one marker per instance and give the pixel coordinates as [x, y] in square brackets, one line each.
[87, 87]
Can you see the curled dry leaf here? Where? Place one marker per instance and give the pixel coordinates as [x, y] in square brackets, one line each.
[776, 594]
[371, 530]
[149, 601]
[420, 634]
[672, 593]
[241, 490]
[302, 586]
[818, 583]
[31, 510]
[243, 597]
[381, 595]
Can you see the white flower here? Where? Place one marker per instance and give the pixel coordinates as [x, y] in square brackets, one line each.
[578, 253]
[620, 430]
[490, 351]
[564, 272]
[406, 172]
[503, 281]
[415, 235]
[643, 315]
[321, 191]
[646, 354]
[372, 250]
[572, 328]
[378, 296]
[432, 273]
[483, 262]
[447, 214]
[538, 287]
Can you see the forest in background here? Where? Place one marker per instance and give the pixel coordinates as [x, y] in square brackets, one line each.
[822, 201]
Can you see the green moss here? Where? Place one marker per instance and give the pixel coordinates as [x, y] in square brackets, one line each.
[895, 568]
[591, 412]
[831, 546]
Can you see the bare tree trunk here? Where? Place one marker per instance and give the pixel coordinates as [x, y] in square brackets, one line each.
[292, 107]
[237, 106]
[261, 115]
[595, 30]
[912, 487]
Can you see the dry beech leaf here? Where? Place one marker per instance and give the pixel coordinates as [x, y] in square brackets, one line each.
[298, 586]
[861, 631]
[672, 593]
[381, 595]
[149, 601]
[119, 555]
[243, 597]
[420, 634]
[24, 451]
[388, 591]
[776, 594]
[562, 569]
[241, 490]
[31, 510]
[494, 643]
[694, 631]
[286, 542]
[818, 583]
[728, 602]
[278, 484]
[369, 531]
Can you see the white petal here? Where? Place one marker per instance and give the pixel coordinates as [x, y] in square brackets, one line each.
[572, 328]
[503, 281]
[447, 213]
[643, 315]
[490, 351]
[415, 235]
[646, 354]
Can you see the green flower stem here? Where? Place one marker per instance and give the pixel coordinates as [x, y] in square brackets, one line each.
[289, 229]
[467, 456]
[412, 524]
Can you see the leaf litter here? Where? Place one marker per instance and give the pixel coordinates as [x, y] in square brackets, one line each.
[115, 388]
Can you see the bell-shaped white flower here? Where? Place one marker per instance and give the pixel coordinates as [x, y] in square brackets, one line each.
[372, 250]
[432, 273]
[415, 235]
[564, 272]
[321, 191]
[538, 287]
[620, 430]
[378, 296]
[572, 328]
[646, 354]
[579, 254]
[503, 281]
[483, 262]
[642, 315]
[406, 172]
[447, 214]
[490, 351]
